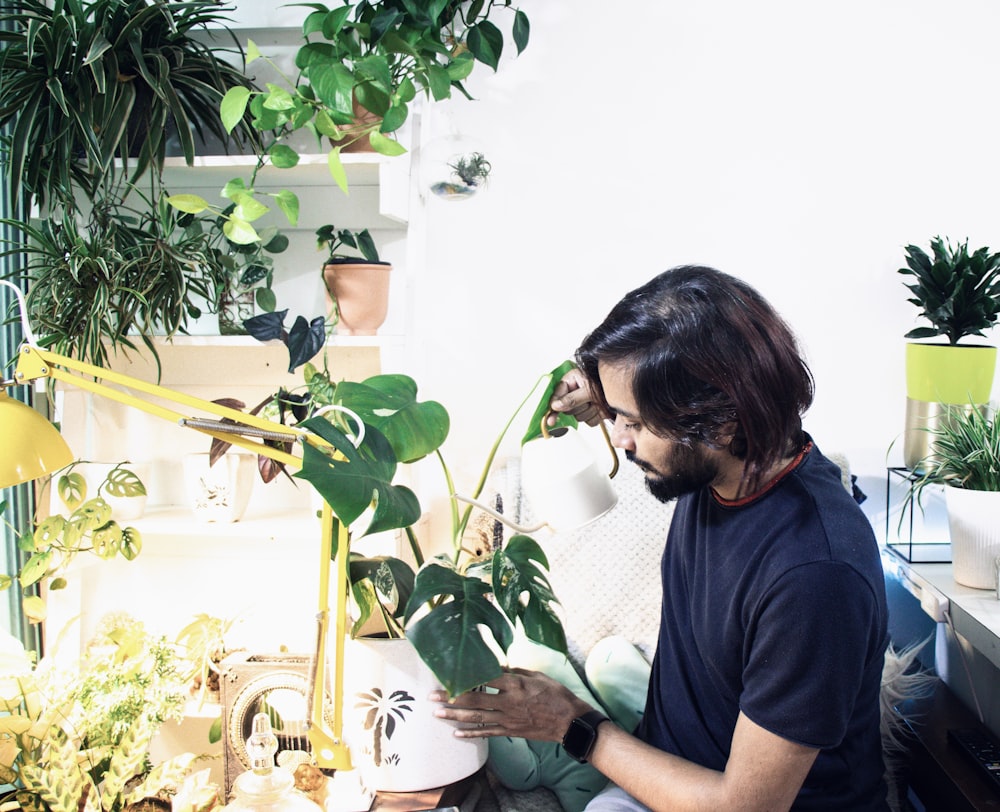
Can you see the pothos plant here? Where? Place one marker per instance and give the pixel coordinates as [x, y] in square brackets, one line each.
[456, 609]
[51, 543]
[359, 68]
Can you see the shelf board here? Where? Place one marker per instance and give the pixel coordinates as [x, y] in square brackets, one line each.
[386, 179]
[363, 169]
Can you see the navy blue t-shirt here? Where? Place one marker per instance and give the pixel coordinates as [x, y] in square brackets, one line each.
[775, 607]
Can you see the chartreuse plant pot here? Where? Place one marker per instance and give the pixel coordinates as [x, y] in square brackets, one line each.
[396, 742]
[940, 377]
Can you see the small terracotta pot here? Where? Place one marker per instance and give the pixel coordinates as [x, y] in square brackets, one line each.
[361, 292]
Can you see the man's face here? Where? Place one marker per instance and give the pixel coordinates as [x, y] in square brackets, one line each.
[672, 469]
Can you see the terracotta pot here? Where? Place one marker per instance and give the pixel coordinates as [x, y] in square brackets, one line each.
[361, 292]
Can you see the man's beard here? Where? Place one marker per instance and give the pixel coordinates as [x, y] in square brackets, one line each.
[690, 470]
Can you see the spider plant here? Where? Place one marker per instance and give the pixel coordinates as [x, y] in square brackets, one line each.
[85, 83]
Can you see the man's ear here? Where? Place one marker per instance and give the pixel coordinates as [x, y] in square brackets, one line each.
[732, 438]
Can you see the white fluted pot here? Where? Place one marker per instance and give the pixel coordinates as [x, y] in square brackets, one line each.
[974, 525]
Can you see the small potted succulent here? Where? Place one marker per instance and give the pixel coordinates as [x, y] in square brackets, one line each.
[958, 293]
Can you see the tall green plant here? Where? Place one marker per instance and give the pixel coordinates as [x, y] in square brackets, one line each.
[957, 292]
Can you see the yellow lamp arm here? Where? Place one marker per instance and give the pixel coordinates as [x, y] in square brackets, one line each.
[34, 363]
[329, 748]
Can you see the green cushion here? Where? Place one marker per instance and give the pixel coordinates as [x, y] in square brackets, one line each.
[619, 679]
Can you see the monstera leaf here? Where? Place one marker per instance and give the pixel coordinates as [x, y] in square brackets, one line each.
[389, 403]
[534, 430]
[448, 638]
[354, 479]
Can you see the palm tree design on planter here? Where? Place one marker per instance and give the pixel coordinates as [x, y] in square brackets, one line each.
[381, 716]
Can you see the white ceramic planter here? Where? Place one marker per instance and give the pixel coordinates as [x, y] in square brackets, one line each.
[974, 525]
[396, 742]
[221, 492]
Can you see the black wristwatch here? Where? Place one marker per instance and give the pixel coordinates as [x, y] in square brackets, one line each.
[582, 734]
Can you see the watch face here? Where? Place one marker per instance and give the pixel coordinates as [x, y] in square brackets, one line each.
[579, 739]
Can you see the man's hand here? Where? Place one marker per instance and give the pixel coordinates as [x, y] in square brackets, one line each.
[522, 704]
[574, 396]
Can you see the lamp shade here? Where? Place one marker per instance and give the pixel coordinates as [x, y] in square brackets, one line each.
[562, 482]
[32, 446]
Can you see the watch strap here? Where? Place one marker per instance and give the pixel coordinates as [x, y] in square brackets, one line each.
[581, 735]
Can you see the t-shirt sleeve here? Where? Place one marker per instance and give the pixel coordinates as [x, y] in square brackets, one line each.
[814, 635]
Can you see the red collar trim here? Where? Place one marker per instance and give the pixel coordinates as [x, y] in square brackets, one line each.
[745, 500]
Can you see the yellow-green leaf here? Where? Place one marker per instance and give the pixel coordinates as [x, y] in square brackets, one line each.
[384, 145]
[288, 202]
[187, 203]
[34, 609]
[248, 208]
[233, 106]
[233, 188]
[240, 231]
[35, 568]
[337, 171]
[107, 540]
[72, 489]
[131, 543]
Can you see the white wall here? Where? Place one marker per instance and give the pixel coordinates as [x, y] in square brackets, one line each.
[796, 145]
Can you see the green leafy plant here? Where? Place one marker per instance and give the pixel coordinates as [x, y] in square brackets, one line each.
[957, 292]
[238, 268]
[966, 451]
[79, 740]
[121, 275]
[85, 83]
[202, 646]
[53, 542]
[360, 67]
[332, 240]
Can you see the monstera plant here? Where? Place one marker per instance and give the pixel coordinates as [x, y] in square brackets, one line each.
[447, 605]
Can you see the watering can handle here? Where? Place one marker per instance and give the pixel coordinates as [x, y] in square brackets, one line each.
[604, 431]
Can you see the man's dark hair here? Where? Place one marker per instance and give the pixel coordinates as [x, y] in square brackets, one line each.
[707, 351]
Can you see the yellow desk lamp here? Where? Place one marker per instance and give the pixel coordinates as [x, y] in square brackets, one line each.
[33, 448]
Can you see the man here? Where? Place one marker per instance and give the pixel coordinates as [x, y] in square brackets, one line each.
[765, 683]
